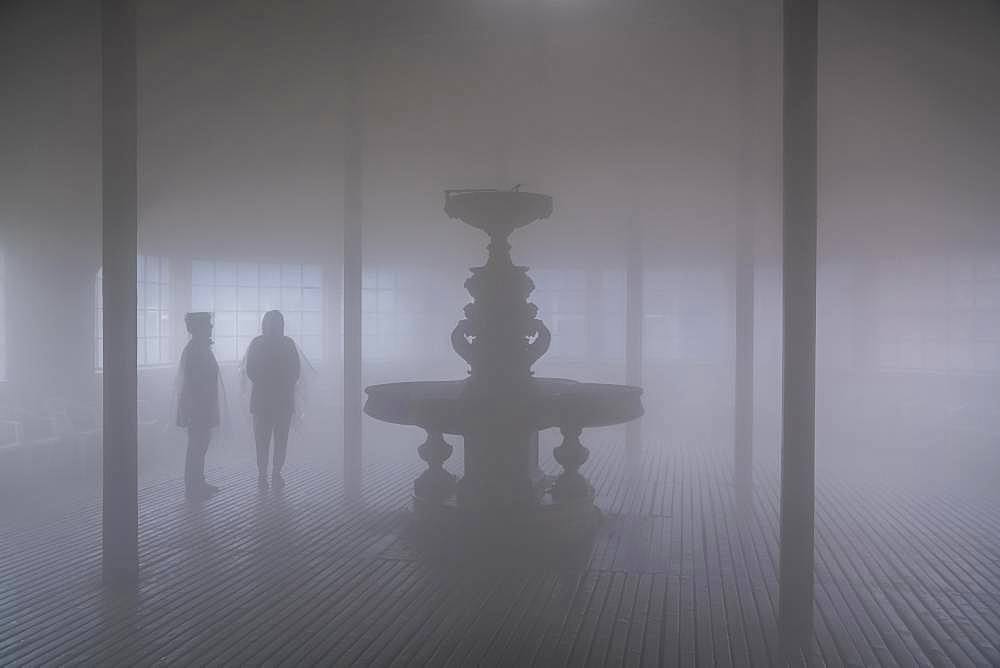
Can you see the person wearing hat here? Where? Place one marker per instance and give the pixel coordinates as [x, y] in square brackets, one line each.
[273, 367]
[198, 402]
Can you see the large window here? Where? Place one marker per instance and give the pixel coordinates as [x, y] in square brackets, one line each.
[411, 314]
[561, 298]
[239, 293]
[408, 314]
[152, 313]
[939, 313]
[684, 316]
[611, 314]
[381, 325]
[394, 314]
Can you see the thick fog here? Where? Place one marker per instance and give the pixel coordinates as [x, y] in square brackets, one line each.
[652, 124]
[293, 161]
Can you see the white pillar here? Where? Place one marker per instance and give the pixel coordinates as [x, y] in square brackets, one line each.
[799, 223]
[743, 376]
[756, 166]
[119, 236]
[634, 319]
[353, 135]
[593, 320]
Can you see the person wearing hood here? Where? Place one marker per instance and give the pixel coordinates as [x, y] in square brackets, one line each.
[273, 367]
[198, 402]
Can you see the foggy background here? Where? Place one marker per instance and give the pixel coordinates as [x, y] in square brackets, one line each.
[659, 119]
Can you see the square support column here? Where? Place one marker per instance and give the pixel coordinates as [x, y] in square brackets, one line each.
[743, 372]
[353, 138]
[634, 321]
[119, 452]
[799, 224]
[758, 168]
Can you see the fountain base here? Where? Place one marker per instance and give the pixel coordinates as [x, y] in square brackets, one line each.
[546, 524]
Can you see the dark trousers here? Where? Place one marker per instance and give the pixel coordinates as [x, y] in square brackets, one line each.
[194, 461]
[264, 427]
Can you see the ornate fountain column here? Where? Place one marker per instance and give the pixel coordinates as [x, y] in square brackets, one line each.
[500, 338]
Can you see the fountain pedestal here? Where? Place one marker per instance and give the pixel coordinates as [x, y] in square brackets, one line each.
[501, 454]
[500, 339]
[500, 408]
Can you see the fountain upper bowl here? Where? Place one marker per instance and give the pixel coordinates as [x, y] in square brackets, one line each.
[497, 211]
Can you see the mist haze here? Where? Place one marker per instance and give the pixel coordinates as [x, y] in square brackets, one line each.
[265, 131]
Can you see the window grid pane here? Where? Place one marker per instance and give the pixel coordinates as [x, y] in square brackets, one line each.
[238, 294]
[938, 314]
[152, 313]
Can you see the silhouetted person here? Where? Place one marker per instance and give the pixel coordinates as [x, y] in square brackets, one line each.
[198, 402]
[272, 365]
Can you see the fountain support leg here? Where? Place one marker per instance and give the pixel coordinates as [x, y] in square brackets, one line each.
[435, 484]
[571, 486]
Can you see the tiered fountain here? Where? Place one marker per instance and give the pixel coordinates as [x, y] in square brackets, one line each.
[500, 408]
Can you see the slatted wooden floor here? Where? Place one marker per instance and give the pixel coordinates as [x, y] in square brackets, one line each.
[675, 576]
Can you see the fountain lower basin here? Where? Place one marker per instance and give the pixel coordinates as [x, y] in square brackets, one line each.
[443, 406]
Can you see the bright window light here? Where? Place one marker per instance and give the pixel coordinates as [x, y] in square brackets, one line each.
[239, 293]
[152, 313]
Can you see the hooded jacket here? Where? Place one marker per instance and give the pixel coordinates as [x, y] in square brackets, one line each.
[198, 398]
[272, 365]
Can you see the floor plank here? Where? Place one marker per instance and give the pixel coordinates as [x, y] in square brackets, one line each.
[677, 574]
